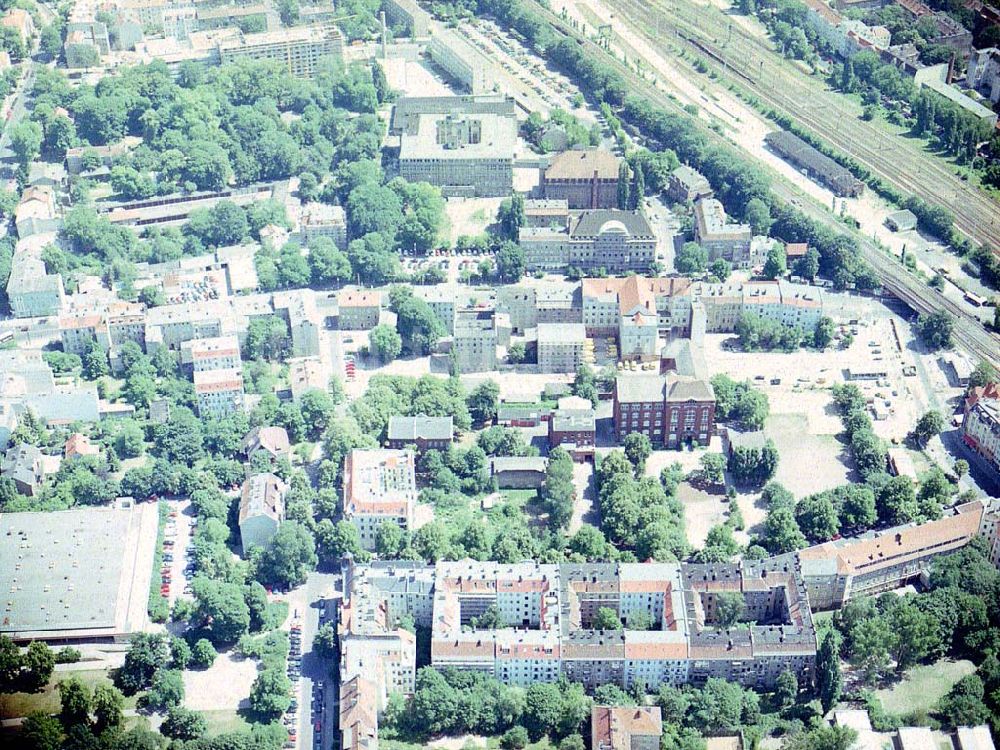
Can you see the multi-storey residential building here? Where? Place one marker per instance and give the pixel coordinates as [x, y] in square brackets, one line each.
[714, 232]
[781, 301]
[533, 302]
[298, 307]
[878, 561]
[981, 424]
[546, 212]
[670, 410]
[462, 154]
[219, 353]
[322, 220]
[638, 311]
[548, 615]
[625, 728]
[218, 392]
[262, 509]
[36, 211]
[380, 486]
[561, 346]
[584, 179]
[359, 309]
[172, 325]
[77, 332]
[617, 241]
[984, 72]
[475, 340]
[30, 290]
[299, 50]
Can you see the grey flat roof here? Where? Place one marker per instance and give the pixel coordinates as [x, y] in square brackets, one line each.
[75, 570]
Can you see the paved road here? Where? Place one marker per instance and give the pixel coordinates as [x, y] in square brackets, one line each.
[313, 603]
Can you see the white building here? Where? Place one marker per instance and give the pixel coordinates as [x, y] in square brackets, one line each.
[219, 392]
[218, 353]
[561, 346]
[380, 486]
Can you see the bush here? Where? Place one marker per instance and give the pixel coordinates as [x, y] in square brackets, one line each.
[203, 654]
[514, 738]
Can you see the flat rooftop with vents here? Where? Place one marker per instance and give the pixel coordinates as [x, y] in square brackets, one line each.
[76, 575]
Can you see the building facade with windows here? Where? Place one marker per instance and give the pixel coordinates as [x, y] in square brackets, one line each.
[380, 486]
[670, 410]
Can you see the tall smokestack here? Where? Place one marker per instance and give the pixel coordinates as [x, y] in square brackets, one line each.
[385, 34]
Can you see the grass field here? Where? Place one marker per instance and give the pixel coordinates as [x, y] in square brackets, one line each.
[459, 743]
[220, 722]
[13, 705]
[922, 687]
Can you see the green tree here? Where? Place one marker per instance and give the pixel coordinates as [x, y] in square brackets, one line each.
[74, 700]
[40, 732]
[606, 619]
[871, 641]
[515, 738]
[183, 724]
[776, 264]
[289, 556]
[511, 263]
[202, 654]
[418, 326]
[786, 689]
[935, 330]
[828, 680]
[729, 608]
[325, 642]
[270, 694]
[758, 216]
[691, 259]
[165, 691]
[385, 343]
[817, 518]
[327, 264]
[713, 468]
[823, 333]
[108, 705]
[95, 361]
[930, 424]
[511, 216]
[26, 142]
[484, 402]
[781, 533]
[637, 448]
[334, 541]
[221, 608]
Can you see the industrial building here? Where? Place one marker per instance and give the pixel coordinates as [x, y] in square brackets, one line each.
[818, 166]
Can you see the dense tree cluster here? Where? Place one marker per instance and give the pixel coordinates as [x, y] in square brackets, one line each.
[739, 402]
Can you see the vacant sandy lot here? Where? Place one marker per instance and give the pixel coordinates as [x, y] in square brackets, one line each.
[702, 511]
[470, 216]
[809, 462]
[223, 685]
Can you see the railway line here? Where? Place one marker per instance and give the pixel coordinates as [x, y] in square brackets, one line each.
[767, 75]
[969, 332]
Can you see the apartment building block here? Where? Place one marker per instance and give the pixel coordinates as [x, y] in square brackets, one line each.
[464, 155]
[219, 393]
[322, 220]
[262, 510]
[720, 237]
[476, 337]
[218, 353]
[460, 60]
[359, 309]
[299, 50]
[638, 311]
[380, 486]
[561, 346]
[981, 424]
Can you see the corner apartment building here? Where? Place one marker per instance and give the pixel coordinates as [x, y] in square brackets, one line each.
[561, 346]
[878, 561]
[322, 220]
[779, 301]
[359, 309]
[585, 179]
[262, 510]
[617, 241]
[299, 50]
[464, 155]
[670, 410]
[981, 424]
[638, 311]
[532, 303]
[380, 486]
[720, 237]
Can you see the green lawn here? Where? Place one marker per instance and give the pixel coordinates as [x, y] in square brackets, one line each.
[220, 722]
[922, 687]
[491, 743]
[13, 705]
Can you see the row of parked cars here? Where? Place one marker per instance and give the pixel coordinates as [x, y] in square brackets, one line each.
[291, 718]
[166, 570]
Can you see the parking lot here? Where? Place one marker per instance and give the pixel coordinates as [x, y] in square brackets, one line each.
[178, 561]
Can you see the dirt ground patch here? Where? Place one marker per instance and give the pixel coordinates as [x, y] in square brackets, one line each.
[800, 447]
[220, 687]
[702, 511]
[470, 216]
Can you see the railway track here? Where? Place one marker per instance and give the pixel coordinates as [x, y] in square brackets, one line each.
[766, 75]
[969, 332]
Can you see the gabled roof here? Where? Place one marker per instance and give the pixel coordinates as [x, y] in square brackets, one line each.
[582, 164]
[420, 427]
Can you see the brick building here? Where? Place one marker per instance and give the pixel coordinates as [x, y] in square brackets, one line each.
[584, 179]
[669, 410]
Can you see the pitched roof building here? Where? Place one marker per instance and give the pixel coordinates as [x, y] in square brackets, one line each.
[586, 179]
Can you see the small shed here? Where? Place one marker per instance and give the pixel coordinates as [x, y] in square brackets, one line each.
[901, 221]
